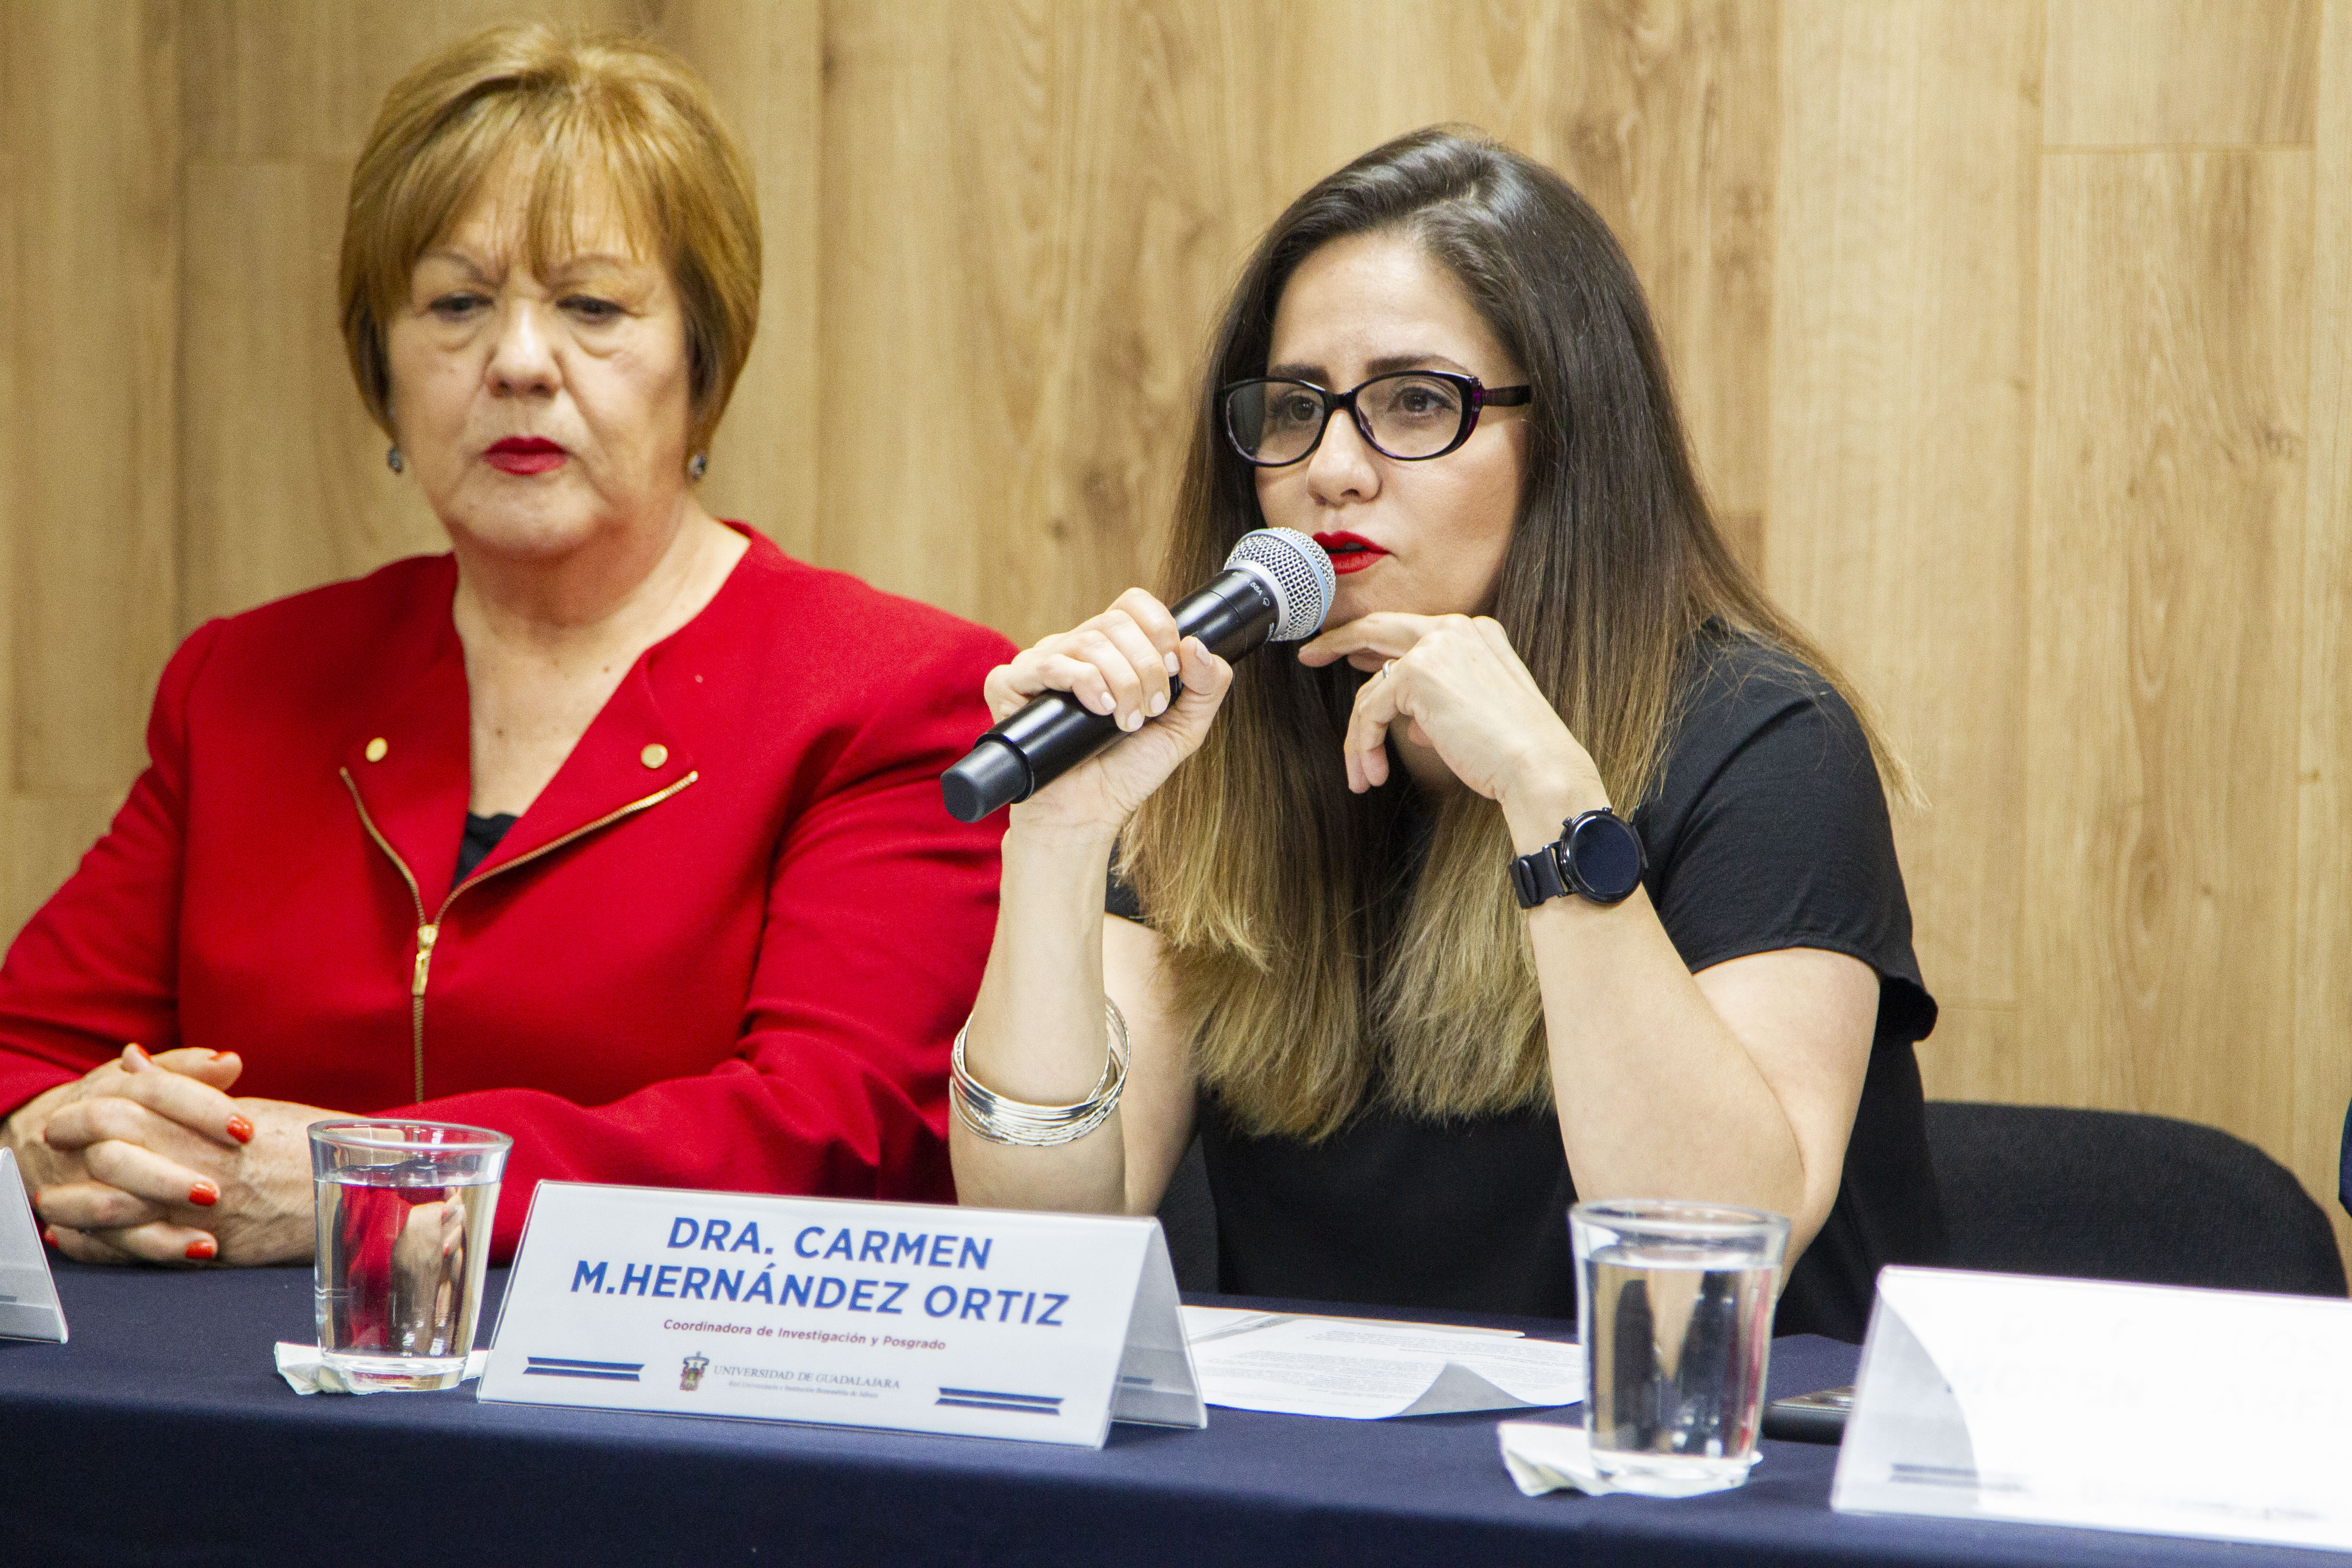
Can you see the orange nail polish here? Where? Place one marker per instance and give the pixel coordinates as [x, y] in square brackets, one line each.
[139, 1053]
[204, 1194]
[240, 1129]
[202, 1249]
[50, 1234]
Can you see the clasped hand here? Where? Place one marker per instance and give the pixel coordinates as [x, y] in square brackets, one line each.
[1460, 689]
[149, 1160]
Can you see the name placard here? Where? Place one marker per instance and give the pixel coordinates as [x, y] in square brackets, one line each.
[2134, 1407]
[978, 1322]
[29, 1292]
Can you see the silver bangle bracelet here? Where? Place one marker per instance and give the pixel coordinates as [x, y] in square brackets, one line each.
[1001, 1120]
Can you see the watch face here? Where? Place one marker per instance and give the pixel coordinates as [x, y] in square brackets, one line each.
[1607, 857]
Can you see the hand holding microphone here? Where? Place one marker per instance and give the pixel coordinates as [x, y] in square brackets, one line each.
[1140, 669]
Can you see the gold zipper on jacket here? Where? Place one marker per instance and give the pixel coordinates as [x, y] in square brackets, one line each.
[429, 932]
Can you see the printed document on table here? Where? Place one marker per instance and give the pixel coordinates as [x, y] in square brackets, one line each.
[1215, 1322]
[1366, 1369]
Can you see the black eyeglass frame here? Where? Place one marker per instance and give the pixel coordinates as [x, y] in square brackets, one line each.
[1476, 398]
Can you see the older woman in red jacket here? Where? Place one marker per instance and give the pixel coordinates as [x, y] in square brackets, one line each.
[613, 829]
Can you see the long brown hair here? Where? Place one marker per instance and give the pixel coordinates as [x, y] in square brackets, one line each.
[1306, 968]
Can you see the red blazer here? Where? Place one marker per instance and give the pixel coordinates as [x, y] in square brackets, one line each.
[726, 947]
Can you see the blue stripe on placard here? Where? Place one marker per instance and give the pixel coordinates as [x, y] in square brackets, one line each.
[995, 1399]
[998, 1405]
[999, 1393]
[601, 1370]
[579, 1372]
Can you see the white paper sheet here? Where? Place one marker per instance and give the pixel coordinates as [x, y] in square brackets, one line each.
[306, 1371]
[1544, 1457]
[1203, 1322]
[1365, 1369]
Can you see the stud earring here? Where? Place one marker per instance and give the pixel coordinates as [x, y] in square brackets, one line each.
[393, 460]
[697, 465]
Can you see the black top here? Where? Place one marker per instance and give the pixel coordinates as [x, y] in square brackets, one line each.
[1769, 830]
[2344, 1166]
[482, 836]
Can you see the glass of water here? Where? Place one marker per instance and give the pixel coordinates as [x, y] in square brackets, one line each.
[404, 1214]
[1675, 1308]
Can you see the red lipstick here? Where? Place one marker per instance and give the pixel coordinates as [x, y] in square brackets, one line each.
[526, 454]
[1349, 551]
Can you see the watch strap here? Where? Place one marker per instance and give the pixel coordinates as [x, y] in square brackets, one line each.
[1536, 877]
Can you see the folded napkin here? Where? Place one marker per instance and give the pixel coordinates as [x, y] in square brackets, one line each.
[1544, 1456]
[307, 1372]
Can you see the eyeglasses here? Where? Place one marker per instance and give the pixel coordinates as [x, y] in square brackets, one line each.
[1411, 415]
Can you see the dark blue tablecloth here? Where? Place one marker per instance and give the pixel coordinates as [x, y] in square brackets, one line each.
[162, 1434]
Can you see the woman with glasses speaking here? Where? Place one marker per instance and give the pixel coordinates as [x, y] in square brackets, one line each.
[1558, 864]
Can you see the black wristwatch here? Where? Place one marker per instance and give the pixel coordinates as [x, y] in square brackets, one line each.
[1597, 856]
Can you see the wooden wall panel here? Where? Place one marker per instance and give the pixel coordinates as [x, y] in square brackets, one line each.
[283, 482]
[1979, 1051]
[909, 491]
[2162, 634]
[1336, 81]
[763, 60]
[2322, 1081]
[90, 106]
[2126, 73]
[269, 81]
[1667, 118]
[1901, 377]
[88, 101]
[16, 518]
[1019, 365]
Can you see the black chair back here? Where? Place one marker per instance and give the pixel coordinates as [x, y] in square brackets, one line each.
[2105, 1194]
[1189, 1217]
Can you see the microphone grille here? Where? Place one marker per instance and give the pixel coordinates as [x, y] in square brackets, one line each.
[1301, 575]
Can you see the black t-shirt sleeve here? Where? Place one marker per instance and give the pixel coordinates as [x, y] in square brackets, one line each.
[1119, 899]
[1771, 831]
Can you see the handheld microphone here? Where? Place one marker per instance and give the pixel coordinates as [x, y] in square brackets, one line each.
[1277, 585]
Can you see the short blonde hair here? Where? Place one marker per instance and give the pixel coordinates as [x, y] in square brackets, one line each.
[616, 111]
